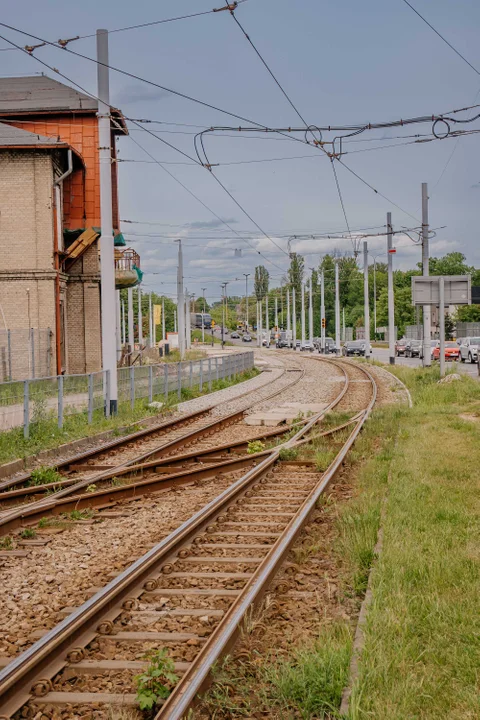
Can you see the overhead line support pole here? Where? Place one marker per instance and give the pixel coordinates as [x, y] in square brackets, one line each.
[391, 300]
[107, 259]
[366, 300]
[425, 272]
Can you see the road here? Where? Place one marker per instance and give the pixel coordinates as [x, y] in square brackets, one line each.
[382, 355]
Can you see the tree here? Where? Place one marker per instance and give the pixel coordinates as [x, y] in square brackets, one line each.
[261, 282]
[453, 263]
[468, 313]
[449, 327]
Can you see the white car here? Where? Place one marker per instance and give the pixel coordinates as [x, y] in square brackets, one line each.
[469, 349]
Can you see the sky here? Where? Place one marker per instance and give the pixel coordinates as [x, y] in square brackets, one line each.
[340, 63]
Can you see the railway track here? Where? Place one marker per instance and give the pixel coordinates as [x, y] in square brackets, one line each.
[189, 593]
[99, 467]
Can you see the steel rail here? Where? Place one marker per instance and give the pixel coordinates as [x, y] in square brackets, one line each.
[224, 636]
[48, 656]
[11, 519]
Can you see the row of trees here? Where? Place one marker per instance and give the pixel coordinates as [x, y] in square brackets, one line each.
[351, 291]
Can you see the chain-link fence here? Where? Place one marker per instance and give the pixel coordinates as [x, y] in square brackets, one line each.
[25, 353]
[35, 400]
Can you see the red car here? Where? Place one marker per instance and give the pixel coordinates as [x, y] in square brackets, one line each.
[452, 351]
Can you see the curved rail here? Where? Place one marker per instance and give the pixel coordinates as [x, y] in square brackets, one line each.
[23, 676]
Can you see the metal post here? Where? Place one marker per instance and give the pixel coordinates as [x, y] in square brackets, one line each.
[32, 347]
[246, 299]
[441, 310]
[337, 307]
[9, 346]
[203, 315]
[276, 314]
[223, 315]
[216, 368]
[151, 341]
[118, 336]
[375, 297]
[180, 303]
[132, 387]
[200, 384]
[302, 318]
[188, 327]
[190, 382]
[131, 336]
[90, 398]
[322, 311]
[267, 322]
[425, 272]
[106, 392]
[391, 300]
[150, 383]
[165, 381]
[310, 310]
[26, 411]
[60, 401]
[124, 333]
[175, 321]
[294, 320]
[163, 319]
[288, 314]
[366, 299]
[140, 319]
[107, 258]
[179, 380]
[210, 374]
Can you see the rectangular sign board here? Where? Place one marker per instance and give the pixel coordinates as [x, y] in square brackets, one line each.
[458, 291]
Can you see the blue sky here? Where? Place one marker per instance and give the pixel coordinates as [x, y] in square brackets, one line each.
[341, 62]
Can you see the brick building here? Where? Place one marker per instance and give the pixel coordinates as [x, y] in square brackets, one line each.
[50, 215]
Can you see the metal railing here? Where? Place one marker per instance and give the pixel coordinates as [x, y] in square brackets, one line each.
[33, 401]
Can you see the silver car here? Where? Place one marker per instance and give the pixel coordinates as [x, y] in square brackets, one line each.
[469, 349]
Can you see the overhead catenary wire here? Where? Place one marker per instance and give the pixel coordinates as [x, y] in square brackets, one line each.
[457, 52]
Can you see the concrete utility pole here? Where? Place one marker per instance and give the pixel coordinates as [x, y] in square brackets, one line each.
[343, 324]
[267, 322]
[180, 303]
[310, 309]
[188, 327]
[203, 315]
[294, 320]
[118, 332]
[302, 318]
[276, 313]
[247, 275]
[224, 288]
[337, 307]
[131, 336]
[427, 360]
[366, 299]
[151, 342]
[124, 331]
[107, 257]
[175, 328]
[288, 311]
[391, 300]
[441, 310]
[322, 311]
[140, 319]
[163, 320]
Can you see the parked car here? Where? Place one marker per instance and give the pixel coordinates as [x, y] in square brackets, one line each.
[401, 346]
[414, 348]
[354, 347]
[247, 338]
[452, 351]
[469, 349]
[297, 344]
[306, 346]
[235, 335]
[330, 345]
[283, 343]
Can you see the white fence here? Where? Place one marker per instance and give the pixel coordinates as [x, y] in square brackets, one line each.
[29, 402]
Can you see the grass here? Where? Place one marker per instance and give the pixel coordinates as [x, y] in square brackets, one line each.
[45, 433]
[422, 653]
[44, 476]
